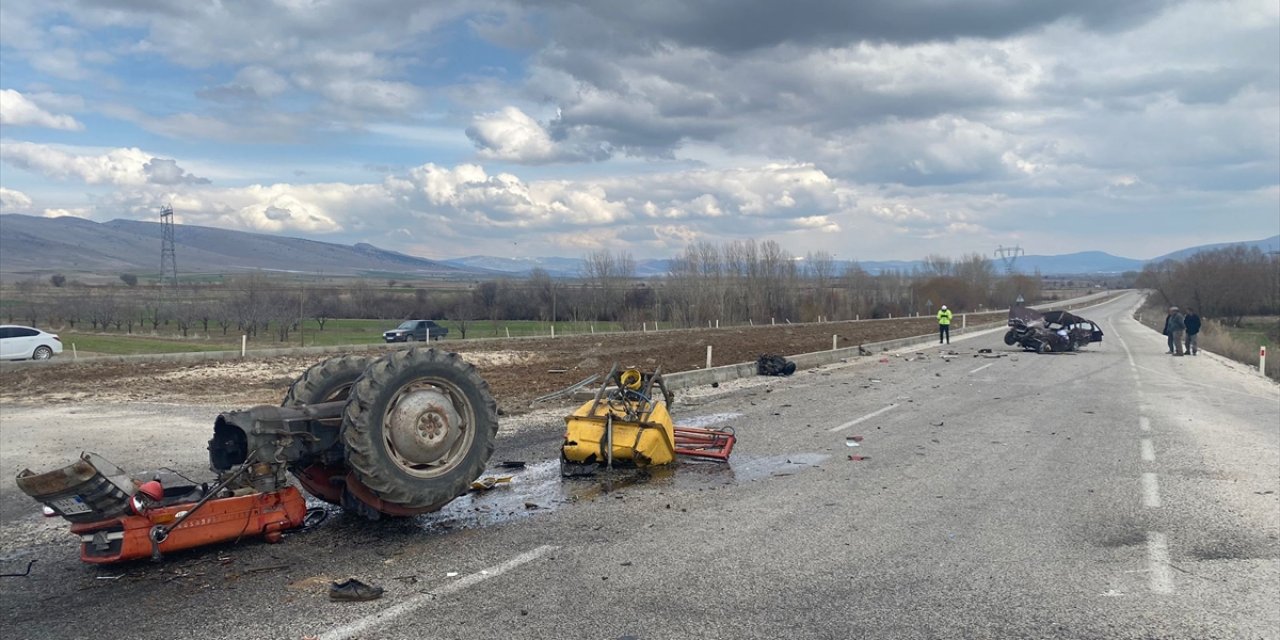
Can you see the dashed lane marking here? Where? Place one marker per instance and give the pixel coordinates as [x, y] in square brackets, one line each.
[981, 368]
[1148, 451]
[1158, 562]
[863, 418]
[1150, 491]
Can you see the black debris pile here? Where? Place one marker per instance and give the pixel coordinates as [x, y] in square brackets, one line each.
[774, 365]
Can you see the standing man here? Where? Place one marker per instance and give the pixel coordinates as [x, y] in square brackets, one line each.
[1168, 330]
[1176, 326]
[1192, 322]
[944, 325]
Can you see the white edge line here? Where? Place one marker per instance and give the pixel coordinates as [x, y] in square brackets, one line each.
[351, 629]
[1144, 423]
[1150, 491]
[1158, 562]
[981, 368]
[866, 417]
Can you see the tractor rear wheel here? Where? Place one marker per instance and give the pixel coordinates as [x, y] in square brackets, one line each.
[1010, 338]
[419, 428]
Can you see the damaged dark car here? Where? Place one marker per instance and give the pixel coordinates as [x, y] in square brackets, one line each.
[1050, 331]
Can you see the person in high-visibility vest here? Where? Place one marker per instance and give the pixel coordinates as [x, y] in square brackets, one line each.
[944, 325]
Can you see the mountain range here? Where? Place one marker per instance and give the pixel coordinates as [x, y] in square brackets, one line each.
[32, 246]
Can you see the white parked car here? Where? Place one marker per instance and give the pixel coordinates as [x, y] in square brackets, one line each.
[27, 343]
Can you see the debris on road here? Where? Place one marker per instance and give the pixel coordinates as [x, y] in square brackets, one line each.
[20, 575]
[353, 590]
[769, 364]
[488, 482]
[858, 458]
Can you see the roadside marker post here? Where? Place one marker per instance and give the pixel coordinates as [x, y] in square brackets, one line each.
[1262, 359]
[708, 356]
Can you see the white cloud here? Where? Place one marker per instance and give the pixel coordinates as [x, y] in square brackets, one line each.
[17, 110]
[12, 201]
[512, 135]
[121, 167]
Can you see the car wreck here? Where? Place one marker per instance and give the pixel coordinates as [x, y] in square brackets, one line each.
[1050, 331]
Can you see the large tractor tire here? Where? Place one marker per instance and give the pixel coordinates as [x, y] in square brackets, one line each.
[1010, 338]
[419, 428]
[329, 380]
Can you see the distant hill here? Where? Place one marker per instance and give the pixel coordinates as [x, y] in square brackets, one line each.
[34, 245]
[1265, 245]
[31, 244]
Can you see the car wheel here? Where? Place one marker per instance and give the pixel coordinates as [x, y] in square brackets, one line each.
[42, 353]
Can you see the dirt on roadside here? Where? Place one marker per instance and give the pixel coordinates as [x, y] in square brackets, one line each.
[517, 370]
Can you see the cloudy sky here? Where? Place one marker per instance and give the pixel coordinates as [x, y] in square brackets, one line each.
[872, 129]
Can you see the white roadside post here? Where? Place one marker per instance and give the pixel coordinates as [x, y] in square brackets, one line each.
[553, 331]
[708, 356]
[244, 344]
[1262, 359]
[74, 354]
[834, 338]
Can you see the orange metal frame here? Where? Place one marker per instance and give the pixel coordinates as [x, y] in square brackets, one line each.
[265, 515]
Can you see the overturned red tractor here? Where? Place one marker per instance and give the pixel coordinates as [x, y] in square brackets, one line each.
[399, 435]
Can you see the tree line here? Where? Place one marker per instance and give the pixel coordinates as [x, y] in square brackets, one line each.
[733, 283]
[1225, 284]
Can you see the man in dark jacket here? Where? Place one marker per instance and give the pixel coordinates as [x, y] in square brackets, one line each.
[1168, 331]
[1176, 325]
[1192, 322]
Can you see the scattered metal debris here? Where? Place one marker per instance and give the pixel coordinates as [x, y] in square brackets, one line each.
[20, 575]
[569, 389]
[489, 482]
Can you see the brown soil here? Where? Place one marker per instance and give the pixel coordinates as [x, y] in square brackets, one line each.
[517, 370]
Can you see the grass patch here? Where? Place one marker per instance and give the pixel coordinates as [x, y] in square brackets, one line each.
[337, 332]
[126, 344]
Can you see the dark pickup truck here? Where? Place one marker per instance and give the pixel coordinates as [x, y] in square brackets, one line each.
[416, 331]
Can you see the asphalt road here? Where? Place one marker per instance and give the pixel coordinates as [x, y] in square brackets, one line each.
[1114, 493]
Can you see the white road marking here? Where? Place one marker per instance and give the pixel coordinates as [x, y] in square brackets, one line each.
[1158, 562]
[1150, 491]
[1148, 451]
[1144, 423]
[359, 626]
[1128, 354]
[866, 417]
[981, 368]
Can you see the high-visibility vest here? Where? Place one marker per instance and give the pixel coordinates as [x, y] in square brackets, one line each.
[944, 316]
